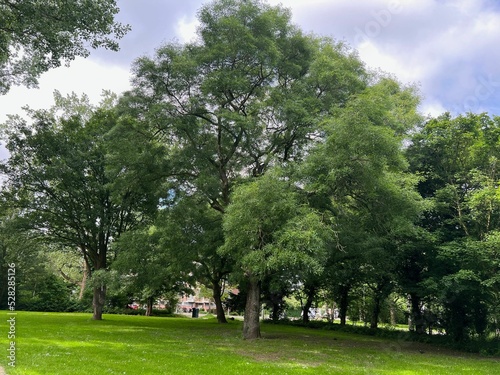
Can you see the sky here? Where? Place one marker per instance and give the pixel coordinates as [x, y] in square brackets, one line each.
[449, 48]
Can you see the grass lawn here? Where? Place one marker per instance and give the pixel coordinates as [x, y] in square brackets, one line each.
[70, 343]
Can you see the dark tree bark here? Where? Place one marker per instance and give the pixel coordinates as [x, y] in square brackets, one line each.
[310, 293]
[251, 323]
[417, 319]
[98, 302]
[217, 294]
[99, 295]
[375, 311]
[275, 315]
[343, 304]
[275, 300]
[149, 306]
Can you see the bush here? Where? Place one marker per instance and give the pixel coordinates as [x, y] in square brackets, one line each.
[51, 294]
[79, 306]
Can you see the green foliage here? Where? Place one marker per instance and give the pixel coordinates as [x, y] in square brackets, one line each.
[50, 293]
[58, 176]
[256, 154]
[268, 229]
[241, 98]
[358, 177]
[458, 158]
[147, 266]
[36, 36]
[248, 95]
[37, 287]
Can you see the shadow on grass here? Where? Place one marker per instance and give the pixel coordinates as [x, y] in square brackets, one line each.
[401, 340]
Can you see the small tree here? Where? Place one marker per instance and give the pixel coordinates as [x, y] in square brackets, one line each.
[268, 229]
[147, 266]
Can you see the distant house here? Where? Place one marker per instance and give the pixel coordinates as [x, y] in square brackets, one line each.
[188, 302]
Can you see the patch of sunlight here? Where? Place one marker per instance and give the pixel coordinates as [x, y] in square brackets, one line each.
[134, 330]
[296, 365]
[402, 372]
[313, 351]
[59, 343]
[76, 343]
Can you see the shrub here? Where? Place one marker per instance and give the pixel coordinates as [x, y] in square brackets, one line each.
[51, 294]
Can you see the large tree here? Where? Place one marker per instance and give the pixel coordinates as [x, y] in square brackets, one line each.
[58, 175]
[358, 175]
[248, 94]
[36, 36]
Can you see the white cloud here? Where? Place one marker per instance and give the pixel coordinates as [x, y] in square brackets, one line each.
[445, 45]
[83, 76]
[432, 108]
[186, 29]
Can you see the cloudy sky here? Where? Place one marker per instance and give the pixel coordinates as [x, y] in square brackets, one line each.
[449, 47]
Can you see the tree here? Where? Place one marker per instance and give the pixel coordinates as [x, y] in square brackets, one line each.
[358, 176]
[268, 229]
[58, 175]
[211, 99]
[38, 287]
[146, 265]
[458, 159]
[36, 36]
[415, 263]
[247, 95]
[196, 230]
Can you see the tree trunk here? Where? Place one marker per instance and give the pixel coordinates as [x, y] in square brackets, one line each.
[311, 292]
[83, 284]
[392, 311]
[221, 317]
[98, 258]
[149, 306]
[417, 319]
[274, 299]
[275, 315]
[343, 304]
[375, 311]
[251, 324]
[98, 302]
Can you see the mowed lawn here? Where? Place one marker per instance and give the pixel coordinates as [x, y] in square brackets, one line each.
[64, 343]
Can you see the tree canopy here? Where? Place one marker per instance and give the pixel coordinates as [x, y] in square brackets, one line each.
[36, 36]
[58, 176]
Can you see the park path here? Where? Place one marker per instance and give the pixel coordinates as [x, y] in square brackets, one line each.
[2, 371]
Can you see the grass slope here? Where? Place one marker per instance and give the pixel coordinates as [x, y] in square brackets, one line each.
[72, 344]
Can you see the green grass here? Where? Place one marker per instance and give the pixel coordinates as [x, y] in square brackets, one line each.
[70, 343]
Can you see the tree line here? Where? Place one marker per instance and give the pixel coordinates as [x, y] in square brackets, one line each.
[270, 158]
